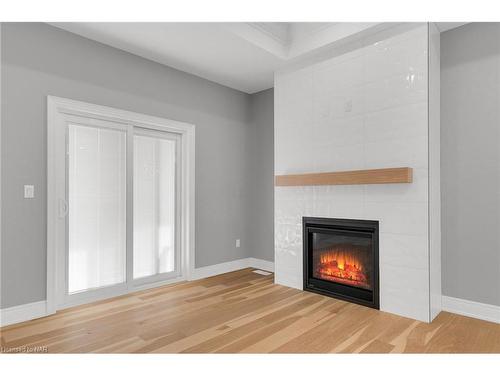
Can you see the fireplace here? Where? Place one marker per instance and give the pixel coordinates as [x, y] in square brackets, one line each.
[341, 259]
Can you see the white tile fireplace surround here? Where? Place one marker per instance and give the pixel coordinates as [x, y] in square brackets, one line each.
[376, 106]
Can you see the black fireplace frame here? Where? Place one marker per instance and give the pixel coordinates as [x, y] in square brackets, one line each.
[344, 292]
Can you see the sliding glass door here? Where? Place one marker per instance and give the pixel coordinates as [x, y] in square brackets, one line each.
[155, 197]
[122, 220]
[120, 202]
[97, 207]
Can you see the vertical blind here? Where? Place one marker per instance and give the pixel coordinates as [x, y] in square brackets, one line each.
[154, 205]
[97, 207]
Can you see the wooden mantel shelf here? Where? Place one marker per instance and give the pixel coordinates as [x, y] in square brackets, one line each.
[366, 176]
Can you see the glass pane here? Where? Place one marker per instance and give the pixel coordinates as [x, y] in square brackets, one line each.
[97, 208]
[154, 205]
[343, 258]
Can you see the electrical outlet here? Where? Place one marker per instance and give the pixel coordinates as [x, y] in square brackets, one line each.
[238, 243]
[29, 191]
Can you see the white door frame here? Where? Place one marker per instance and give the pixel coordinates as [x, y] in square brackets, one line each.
[57, 109]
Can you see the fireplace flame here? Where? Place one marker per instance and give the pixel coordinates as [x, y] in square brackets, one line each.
[342, 265]
[342, 258]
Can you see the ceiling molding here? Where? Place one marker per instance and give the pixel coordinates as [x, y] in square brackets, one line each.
[260, 37]
[302, 30]
[445, 26]
[309, 40]
[280, 31]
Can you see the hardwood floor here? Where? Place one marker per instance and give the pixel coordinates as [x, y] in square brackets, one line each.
[244, 312]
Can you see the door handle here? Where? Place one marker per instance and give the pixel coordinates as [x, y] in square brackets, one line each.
[63, 208]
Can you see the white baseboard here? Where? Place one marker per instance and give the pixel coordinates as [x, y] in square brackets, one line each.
[472, 309]
[22, 313]
[235, 265]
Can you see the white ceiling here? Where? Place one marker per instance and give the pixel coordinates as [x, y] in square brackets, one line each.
[243, 56]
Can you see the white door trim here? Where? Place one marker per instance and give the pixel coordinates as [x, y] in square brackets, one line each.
[57, 108]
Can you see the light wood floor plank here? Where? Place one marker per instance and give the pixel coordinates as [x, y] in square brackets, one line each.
[244, 312]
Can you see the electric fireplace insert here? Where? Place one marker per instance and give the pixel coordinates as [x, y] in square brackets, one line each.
[341, 259]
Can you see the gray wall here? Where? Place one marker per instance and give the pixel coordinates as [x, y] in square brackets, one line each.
[40, 60]
[262, 173]
[470, 162]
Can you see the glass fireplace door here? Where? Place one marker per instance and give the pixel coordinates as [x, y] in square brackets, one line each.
[343, 257]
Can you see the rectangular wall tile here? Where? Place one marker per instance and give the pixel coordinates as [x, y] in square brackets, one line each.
[404, 291]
